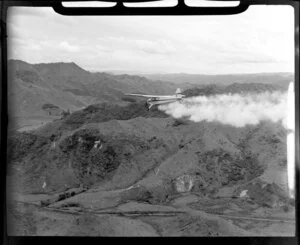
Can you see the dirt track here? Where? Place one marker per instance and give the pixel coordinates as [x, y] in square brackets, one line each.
[156, 220]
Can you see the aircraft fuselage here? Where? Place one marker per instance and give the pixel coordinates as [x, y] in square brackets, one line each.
[160, 101]
[167, 97]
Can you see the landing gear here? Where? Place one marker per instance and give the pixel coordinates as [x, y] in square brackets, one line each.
[147, 107]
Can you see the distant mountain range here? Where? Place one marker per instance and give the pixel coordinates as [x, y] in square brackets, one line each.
[46, 90]
[281, 78]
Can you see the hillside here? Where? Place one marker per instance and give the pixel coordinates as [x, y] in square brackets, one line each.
[67, 86]
[188, 142]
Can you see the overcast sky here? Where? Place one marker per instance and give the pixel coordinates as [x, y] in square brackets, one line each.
[258, 40]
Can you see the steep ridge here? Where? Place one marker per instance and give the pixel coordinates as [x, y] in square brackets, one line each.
[29, 91]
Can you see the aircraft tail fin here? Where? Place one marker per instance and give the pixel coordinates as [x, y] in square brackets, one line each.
[178, 91]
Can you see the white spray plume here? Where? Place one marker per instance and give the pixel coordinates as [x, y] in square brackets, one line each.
[237, 110]
[290, 124]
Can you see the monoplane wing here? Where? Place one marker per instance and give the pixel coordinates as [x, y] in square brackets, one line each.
[160, 97]
[144, 95]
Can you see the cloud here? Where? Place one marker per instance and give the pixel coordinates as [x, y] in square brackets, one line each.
[236, 110]
[134, 46]
[152, 47]
[69, 47]
[34, 46]
[249, 42]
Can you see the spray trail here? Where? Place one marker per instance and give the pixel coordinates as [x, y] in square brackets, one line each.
[290, 125]
[237, 110]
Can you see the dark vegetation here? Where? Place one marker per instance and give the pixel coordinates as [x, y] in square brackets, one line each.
[65, 113]
[267, 194]
[49, 106]
[89, 161]
[86, 155]
[179, 122]
[62, 196]
[52, 109]
[71, 205]
[106, 112]
[223, 168]
[205, 91]
[20, 145]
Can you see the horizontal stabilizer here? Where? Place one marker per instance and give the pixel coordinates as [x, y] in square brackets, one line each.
[178, 91]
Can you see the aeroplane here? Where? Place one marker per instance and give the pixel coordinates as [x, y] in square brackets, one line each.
[160, 99]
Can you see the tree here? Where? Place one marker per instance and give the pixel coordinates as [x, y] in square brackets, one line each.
[65, 113]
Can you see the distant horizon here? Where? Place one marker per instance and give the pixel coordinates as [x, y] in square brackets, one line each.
[138, 73]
